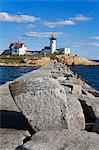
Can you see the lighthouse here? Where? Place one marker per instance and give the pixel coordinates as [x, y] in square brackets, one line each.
[52, 44]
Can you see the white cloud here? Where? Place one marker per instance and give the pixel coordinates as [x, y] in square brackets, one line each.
[95, 38]
[68, 22]
[81, 17]
[71, 21]
[43, 34]
[6, 17]
[61, 23]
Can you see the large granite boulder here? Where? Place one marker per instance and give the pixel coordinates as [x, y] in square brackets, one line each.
[62, 140]
[43, 102]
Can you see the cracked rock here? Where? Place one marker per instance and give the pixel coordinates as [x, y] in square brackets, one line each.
[42, 101]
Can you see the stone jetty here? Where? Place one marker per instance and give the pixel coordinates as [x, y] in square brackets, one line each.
[51, 108]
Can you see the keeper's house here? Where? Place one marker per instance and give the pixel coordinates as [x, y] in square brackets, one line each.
[18, 48]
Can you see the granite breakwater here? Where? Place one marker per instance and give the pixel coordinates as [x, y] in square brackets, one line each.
[51, 109]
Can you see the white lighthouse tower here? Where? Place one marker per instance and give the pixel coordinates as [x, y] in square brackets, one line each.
[52, 44]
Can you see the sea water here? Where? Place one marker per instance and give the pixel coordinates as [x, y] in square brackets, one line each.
[90, 74]
[11, 73]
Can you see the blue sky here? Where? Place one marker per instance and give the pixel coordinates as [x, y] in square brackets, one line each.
[75, 23]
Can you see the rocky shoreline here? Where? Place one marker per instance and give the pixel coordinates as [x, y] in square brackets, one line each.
[50, 109]
[73, 60]
[76, 60]
[38, 62]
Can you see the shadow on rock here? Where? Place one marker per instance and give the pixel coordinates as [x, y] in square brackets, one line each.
[14, 120]
[21, 148]
[89, 115]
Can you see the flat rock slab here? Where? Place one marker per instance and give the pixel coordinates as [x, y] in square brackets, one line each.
[76, 117]
[63, 140]
[44, 71]
[10, 138]
[42, 101]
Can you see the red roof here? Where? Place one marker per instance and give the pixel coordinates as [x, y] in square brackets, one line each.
[19, 44]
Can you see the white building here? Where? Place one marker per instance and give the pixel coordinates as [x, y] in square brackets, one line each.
[52, 44]
[18, 48]
[53, 48]
[65, 50]
[50, 49]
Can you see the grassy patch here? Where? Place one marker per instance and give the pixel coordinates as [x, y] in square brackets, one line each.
[16, 59]
[52, 56]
